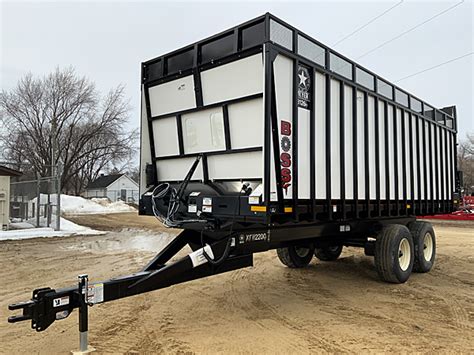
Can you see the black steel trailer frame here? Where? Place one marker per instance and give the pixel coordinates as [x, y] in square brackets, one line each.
[48, 305]
[221, 246]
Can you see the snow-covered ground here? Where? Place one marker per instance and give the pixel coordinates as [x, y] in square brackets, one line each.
[26, 230]
[80, 205]
[70, 205]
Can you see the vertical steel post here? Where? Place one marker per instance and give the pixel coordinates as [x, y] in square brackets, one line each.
[38, 199]
[47, 211]
[58, 195]
[83, 316]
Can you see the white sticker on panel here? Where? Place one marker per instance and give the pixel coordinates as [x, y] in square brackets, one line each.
[198, 258]
[95, 293]
[61, 301]
[207, 209]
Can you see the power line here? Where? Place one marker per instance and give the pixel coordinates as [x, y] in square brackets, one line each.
[436, 66]
[368, 23]
[411, 29]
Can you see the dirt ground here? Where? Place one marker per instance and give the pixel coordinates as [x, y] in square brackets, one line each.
[332, 307]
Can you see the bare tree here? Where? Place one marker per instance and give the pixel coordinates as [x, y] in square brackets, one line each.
[65, 108]
[466, 162]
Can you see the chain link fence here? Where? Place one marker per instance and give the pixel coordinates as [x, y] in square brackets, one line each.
[125, 195]
[35, 202]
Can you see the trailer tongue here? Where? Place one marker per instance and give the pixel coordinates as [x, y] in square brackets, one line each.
[262, 138]
[48, 305]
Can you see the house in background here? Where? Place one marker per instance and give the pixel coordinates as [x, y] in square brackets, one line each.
[115, 187]
[5, 175]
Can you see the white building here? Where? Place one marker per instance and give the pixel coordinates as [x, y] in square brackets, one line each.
[5, 174]
[115, 187]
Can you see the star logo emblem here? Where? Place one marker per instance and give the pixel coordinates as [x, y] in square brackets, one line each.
[304, 78]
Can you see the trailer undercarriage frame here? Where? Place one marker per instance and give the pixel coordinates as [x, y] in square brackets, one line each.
[48, 305]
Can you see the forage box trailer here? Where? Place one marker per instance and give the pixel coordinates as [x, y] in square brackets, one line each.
[260, 138]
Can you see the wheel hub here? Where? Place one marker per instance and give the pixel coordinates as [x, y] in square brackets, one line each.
[404, 254]
[302, 252]
[427, 246]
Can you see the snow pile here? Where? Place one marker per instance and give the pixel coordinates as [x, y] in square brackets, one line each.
[24, 230]
[80, 205]
[69, 205]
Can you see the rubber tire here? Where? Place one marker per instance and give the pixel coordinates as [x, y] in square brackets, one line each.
[290, 258]
[386, 253]
[418, 230]
[326, 254]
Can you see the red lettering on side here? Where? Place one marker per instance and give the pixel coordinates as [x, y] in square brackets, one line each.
[285, 160]
[285, 175]
[285, 128]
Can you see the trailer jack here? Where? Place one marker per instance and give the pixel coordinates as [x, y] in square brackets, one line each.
[48, 305]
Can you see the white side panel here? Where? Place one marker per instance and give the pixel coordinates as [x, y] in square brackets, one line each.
[414, 122]
[165, 133]
[438, 154]
[176, 169]
[303, 153]
[273, 195]
[453, 159]
[176, 95]
[320, 135]
[360, 146]
[433, 162]
[145, 151]
[407, 154]
[450, 162]
[229, 81]
[203, 131]
[382, 149]
[421, 157]
[348, 141]
[371, 123]
[428, 160]
[400, 154]
[283, 70]
[335, 141]
[246, 124]
[443, 160]
[391, 152]
[235, 166]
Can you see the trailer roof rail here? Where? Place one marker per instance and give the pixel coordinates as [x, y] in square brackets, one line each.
[215, 49]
